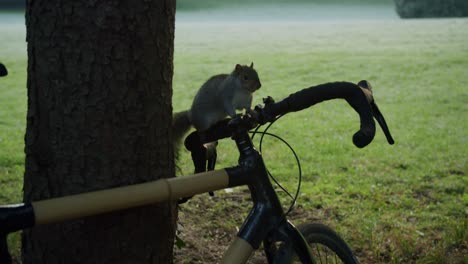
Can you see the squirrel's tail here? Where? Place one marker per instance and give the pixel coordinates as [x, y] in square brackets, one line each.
[180, 126]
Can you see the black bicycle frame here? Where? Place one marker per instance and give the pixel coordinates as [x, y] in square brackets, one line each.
[266, 221]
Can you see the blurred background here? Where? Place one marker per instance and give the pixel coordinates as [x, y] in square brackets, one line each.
[311, 9]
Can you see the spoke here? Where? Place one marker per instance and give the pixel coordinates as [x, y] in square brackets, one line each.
[318, 252]
[326, 255]
[323, 242]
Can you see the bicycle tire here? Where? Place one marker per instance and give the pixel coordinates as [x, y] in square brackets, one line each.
[320, 236]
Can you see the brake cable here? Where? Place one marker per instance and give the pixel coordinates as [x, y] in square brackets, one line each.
[298, 188]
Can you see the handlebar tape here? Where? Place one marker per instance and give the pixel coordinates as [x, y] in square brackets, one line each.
[16, 217]
[352, 93]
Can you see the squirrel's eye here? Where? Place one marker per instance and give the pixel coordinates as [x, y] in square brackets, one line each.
[246, 77]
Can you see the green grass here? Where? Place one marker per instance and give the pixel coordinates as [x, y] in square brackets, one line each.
[217, 4]
[12, 112]
[400, 203]
[405, 203]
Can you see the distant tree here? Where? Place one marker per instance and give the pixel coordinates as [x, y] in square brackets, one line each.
[431, 8]
[12, 4]
[99, 115]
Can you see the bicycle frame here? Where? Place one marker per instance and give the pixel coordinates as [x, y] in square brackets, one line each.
[265, 223]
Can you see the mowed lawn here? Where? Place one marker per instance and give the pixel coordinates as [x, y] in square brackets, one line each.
[405, 203]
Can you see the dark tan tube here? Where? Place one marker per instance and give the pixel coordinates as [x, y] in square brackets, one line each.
[238, 252]
[92, 203]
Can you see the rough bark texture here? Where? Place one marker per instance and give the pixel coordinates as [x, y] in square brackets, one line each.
[99, 115]
[431, 8]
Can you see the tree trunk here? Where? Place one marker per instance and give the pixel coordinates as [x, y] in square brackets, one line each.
[99, 115]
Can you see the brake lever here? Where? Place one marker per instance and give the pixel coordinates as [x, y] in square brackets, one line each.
[260, 115]
[367, 89]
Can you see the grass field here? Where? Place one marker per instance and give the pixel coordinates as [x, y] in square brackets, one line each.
[405, 203]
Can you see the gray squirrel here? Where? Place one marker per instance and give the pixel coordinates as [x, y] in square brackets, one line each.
[220, 96]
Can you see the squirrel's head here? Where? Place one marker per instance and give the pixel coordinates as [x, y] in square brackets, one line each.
[248, 77]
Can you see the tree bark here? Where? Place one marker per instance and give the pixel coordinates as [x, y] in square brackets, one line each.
[99, 115]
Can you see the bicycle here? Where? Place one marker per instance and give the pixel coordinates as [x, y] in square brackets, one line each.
[266, 223]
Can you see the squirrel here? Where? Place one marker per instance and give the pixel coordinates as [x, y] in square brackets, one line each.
[218, 98]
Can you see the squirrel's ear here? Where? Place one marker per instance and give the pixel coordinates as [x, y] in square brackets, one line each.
[251, 65]
[238, 68]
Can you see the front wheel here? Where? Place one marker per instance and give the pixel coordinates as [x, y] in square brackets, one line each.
[326, 245]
